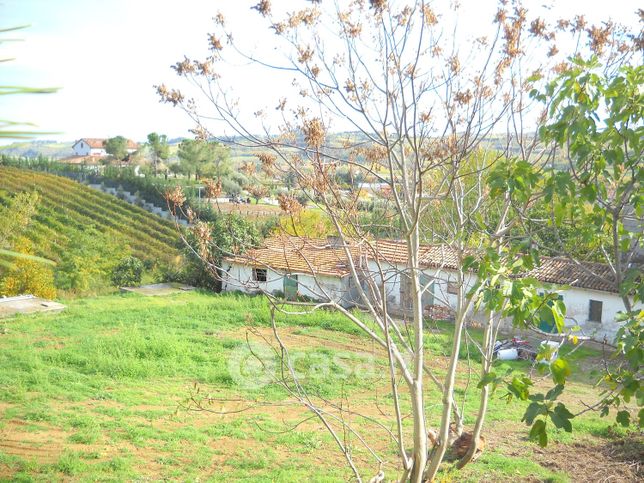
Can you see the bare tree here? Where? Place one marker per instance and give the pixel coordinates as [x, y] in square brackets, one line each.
[444, 122]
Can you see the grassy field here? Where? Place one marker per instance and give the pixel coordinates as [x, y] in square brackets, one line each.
[98, 393]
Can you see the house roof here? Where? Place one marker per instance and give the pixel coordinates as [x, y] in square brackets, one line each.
[562, 271]
[394, 252]
[296, 255]
[99, 143]
[324, 257]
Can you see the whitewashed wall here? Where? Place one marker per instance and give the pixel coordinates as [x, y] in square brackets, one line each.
[578, 310]
[441, 277]
[577, 300]
[334, 287]
[241, 278]
[81, 148]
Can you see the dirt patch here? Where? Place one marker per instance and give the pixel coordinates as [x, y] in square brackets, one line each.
[619, 460]
[591, 459]
[43, 446]
[296, 337]
[4, 406]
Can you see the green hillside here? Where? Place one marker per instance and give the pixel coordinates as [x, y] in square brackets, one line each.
[32, 149]
[79, 227]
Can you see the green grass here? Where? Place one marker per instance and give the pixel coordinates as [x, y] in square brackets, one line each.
[100, 386]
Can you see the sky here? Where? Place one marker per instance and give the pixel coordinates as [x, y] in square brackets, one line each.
[106, 56]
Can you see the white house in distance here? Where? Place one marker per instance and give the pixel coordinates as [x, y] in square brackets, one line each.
[319, 270]
[96, 147]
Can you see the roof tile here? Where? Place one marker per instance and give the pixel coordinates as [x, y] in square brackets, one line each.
[326, 257]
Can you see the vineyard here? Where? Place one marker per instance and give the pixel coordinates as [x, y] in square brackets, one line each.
[67, 209]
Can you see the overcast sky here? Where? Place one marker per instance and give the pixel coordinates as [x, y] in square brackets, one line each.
[106, 55]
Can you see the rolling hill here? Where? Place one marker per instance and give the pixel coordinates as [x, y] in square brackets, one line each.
[35, 148]
[70, 214]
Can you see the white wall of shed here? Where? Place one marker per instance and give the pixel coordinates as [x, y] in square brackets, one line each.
[240, 278]
[577, 300]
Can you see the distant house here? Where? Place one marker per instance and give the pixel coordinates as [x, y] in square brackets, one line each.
[96, 147]
[319, 270]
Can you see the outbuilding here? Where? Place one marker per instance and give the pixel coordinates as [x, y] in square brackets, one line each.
[319, 270]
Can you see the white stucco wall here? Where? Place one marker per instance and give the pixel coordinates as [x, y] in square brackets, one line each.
[81, 148]
[577, 300]
[323, 288]
[441, 279]
[578, 310]
[241, 278]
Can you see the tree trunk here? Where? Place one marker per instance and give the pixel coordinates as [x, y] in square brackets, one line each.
[488, 354]
[417, 393]
[448, 391]
[420, 437]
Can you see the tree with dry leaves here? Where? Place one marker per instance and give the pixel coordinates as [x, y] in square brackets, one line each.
[257, 191]
[423, 99]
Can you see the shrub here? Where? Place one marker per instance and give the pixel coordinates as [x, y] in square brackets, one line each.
[88, 260]
[27, 276]
[128, 272]
[310, 223]
[231, 187]
[230, 233]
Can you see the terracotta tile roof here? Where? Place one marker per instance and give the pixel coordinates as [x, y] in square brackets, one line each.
[395, 252]
[303, 255]
[296, 255]
[98, 143]
[95, 143]
[562, 271]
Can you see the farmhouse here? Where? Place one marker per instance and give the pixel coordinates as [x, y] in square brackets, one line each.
[96, 147]
[320, 270]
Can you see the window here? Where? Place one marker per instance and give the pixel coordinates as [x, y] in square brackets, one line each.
[595, 311]
[452, 288]
[259, 274]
